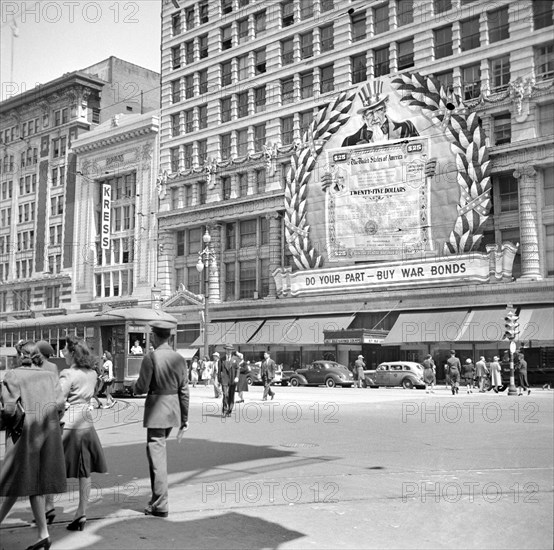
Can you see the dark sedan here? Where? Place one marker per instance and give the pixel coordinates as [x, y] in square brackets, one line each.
[318, 373]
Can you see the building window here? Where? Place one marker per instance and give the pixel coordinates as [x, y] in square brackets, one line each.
[405, 54]
[507, 192]
[174, 159]
[187, 155]
[306, 85]
[358, 68]
[287, 91]
[446, 79]
[260, 180]
[502, 126]
[203, 81]
[542, 14]
[469, 31]
[326, 37]
[259, 62]
[189, 18]
[194, 240]
[243, 184]
[326, 79]
[443, 42]
[381, 61]
[225, 146]
[306, 118]
[226, 187]
[175, 91]
[247, 234]
[306, 9]
[287, 127]
[226, 73]
[499, 28]
[287, 51]
[306, 45]
[471, 80]
[327, 5]
[230, 236]
[226, 38]
[176, 57]
[242, 143]
[381, 18]
[230, 281]
[175, 125]
[202, 116]
[242, 104]
[259, 99]
[225, 106]
[500, 73]
[193, 280]
[287, 13]
[546, 119]
[242, 66]
[202, 192]
[442, 5]
[203, 12]
[259, 23]
[202, 151]
[176, 24]
[544, 61]
[548, 185]
[226, 6]
[247, 280]
[242, 28]
[358, 26]
[189, 117]
[203, 46]
[404, 12]
[52, 297]
[189, 86]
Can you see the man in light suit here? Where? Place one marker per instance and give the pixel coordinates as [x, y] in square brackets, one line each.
[164, 377]
[268, 374]
[228, 376]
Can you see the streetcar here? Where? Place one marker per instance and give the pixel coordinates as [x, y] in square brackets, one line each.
[119, 331]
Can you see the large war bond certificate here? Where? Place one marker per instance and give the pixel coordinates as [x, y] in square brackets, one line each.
[377, 205]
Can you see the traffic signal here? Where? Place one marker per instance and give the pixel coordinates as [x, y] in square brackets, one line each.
[511, 323]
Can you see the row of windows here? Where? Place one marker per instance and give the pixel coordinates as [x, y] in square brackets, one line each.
[115, 283]
[121, 251]
[123, 187]
[184, 195]
[27, 185]
[25, 240]
[26, 212]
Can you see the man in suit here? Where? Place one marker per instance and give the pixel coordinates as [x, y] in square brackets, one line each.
[216, 366]
[268, 374]
[228, 376]
[163, 376]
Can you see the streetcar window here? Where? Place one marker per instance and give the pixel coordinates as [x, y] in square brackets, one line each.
[137, 343]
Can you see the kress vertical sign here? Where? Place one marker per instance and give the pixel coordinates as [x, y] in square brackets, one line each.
[106, 216]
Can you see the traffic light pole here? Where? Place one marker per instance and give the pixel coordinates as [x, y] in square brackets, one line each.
[512, 390]
[512, 329]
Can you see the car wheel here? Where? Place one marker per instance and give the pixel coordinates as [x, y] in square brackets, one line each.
[294, 382]
[249, 380]
[330, 383]
[407, 383]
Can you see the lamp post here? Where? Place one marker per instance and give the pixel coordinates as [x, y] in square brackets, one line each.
[205, 256]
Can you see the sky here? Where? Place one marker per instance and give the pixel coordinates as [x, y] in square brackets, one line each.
[49, 38]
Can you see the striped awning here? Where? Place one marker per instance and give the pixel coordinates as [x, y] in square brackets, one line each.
[309, 330]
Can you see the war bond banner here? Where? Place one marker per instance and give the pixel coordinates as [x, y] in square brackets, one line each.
[378, 201]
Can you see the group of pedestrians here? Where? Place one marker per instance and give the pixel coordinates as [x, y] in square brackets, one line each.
[57, 439]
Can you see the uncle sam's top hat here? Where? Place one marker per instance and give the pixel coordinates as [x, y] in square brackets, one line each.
[371, 96]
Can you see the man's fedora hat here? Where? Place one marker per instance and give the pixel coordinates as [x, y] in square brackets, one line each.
[228, 347]
[371, 96]
[215, 353]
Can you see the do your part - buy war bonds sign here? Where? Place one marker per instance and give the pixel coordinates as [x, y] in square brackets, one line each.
[391, 187]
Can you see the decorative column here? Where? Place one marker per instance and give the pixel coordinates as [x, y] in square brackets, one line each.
[214, 296]
[528, 223]
[166, 251]
[275, 244]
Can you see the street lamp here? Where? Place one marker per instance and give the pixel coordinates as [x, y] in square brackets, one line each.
[206, 256]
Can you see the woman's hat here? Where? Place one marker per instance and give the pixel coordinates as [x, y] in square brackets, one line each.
[45, 348]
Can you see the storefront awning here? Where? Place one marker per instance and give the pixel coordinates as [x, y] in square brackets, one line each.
[216, 334]
[309, 330]
[537, 326]
[187, 353]
[241, 331]
[272, 331]
[483, 325]
[433, 326]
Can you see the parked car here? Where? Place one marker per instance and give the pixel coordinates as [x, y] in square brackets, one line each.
[396, 373]
[255, 377]
[318, 373]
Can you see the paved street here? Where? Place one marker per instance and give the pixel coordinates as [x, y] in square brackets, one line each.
[326, 468]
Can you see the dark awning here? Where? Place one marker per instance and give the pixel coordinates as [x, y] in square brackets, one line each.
[241, 331]
[432, 326]
[309, 330]
[272, 331]
[537, 326]
[187, 353]
[216, 334]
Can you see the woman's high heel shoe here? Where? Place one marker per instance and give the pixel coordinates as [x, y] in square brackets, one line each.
[50, 515]
[44, 543]
[77, 524]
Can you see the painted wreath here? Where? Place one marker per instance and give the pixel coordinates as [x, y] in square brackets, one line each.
[468, 145]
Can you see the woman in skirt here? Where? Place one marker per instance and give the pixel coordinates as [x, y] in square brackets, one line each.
[33, 464]
[429, 373]
[244, 369]
[82, 449]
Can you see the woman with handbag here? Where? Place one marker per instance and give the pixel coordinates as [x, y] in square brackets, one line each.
[108, 378]
[82, 448]
[34, 461]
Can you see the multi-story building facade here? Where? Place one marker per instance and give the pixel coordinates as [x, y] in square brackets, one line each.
[40, 238]
[243, 88]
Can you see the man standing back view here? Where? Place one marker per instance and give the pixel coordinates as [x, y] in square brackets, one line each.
[228, 377]
[267, 372]
[164, 377]
[481, 372]
[360, 366]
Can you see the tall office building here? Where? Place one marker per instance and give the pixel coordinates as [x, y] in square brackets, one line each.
[40, 237]
[325, 242]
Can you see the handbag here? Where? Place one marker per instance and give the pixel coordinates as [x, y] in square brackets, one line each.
[13, 418]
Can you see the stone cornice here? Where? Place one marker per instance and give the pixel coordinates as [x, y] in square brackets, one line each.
[535, 150]
[220, 211]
